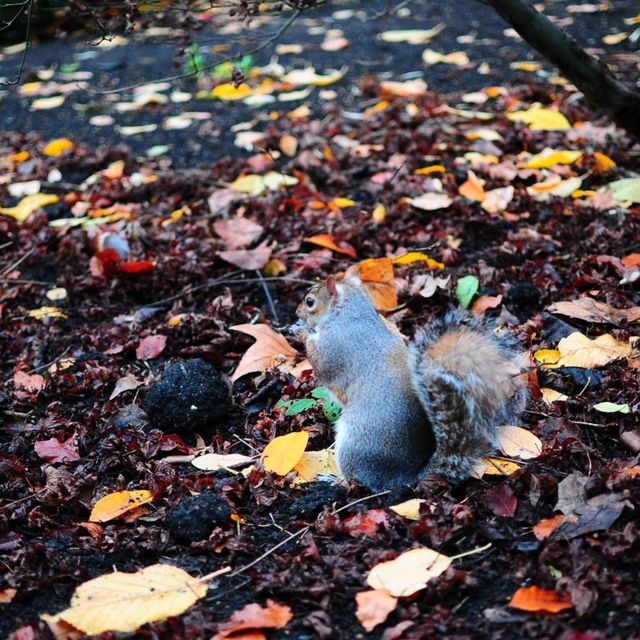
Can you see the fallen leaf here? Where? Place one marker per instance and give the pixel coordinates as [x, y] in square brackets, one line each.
[125, 601]
[254, 616]
[151, 347]
[126, 383]
[46, 312]
[430, 201]
[417, 256]
[548, 158]
[328, 242]
[255, 184]
[270, 350]
[611, 407]
[551, 395]
[466, 288]
[547, 356]
[501, 500]
[472, 188]
[308, 76]
[406, 89]
[411, 36]
[378, 280]
[249, 259]
[53, 450]
[409, 572]
[373, 607]
[541, 119]
[518, 442]
[483, 303]
[28, 205]
[580, 351]
[116, 504]
[29, 382]
[546, 527]
[215, 461]
[496, 200]
[409, 509]
[457, 58]
[283, 453]
[7, 595]
[365, 523]
[626, 190]
[494, 467]
[540, 600]
[603, 162]
[591, 310]
[57, 147]
[317, 463]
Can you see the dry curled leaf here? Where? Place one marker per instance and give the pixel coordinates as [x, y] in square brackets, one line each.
[270, 351]
[591, 310]
[253, 617]
[580, 351]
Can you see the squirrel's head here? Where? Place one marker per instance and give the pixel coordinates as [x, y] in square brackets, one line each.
[324, 297]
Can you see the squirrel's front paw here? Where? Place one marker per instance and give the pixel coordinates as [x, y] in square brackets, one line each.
[299, 330]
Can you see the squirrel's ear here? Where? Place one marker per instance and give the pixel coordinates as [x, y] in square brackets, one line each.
[331, 285]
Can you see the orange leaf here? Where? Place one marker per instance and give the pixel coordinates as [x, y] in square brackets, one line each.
[373, 607]
[253, 616]
[328, 242]
[115, 504]
[270, 350]
[536, 599]
[603, 162]
[378, 280]
[630, 261]
[546, 527]
[472, 188]
[481, 304]
[283, 453]
[7, 595]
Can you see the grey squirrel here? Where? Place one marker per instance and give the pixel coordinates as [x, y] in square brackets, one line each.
[431, 407]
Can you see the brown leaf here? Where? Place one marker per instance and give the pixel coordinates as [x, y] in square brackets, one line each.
[238, 233]
[481, 304]
[373, 607]
[221, 199]
[270, 350]
[249, 259]
[254, 617]
[591, 310]
[126, 383]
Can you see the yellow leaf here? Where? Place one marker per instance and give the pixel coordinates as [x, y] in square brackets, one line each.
[21, 156]
[46, 312]
[125, 601]
[603, 162]
[283, 453]
[302, 111]
[434, 168]
[48, 103]
[549, 396]
[343, 203]
[229, 92]
[379, 213]
[526, 66]
[554, 186]
[315, 463]
[252, 183]
[483, 133]
[28, 205]
[580, 351]
[518, 442]
[409, 572]
[417, 256]
[308, 76]
[288, 145]
[615, 38]
[115, 504]
[409, 509]
[547, 356]
[540, 119]
[57, 147]
[550, 157]
[494, 467]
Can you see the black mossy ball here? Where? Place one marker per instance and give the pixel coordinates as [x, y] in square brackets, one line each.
[195, 517]
[190, 395]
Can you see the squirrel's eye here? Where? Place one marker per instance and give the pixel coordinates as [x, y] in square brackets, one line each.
[310, 302]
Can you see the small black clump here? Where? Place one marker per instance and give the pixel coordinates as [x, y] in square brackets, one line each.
[195, 517]
[190, 395]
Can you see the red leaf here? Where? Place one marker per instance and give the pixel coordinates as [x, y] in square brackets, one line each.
[53, 450]
[501, 500]
[136, 266]
[365, 524]
[151, 347]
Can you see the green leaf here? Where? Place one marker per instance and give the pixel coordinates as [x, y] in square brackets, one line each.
[466, 288]
[611, 407]
[330, 407]
[294, 407]
[626, 190]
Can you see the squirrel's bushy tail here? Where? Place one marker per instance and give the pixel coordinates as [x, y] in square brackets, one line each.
[468, 380]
